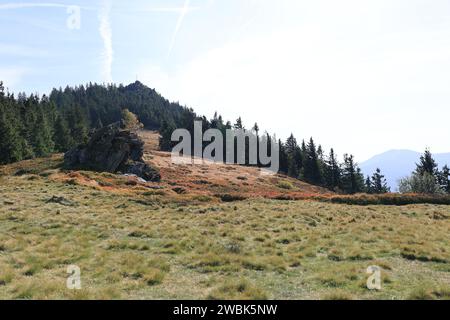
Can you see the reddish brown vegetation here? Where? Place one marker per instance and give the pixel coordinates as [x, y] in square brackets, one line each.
[206, 182]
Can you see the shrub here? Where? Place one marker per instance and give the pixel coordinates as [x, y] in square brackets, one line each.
[153, 277]
[238, 290]
[231, 197]
[202, 198]
[337, 295]
[424, 183]
[285, 185]
[388, 199]
[130, 121]
[25, 171]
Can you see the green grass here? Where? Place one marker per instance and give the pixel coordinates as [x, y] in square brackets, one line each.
[285, 185]
[149, 246]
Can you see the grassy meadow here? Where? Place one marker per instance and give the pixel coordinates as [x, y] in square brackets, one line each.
[137, 242]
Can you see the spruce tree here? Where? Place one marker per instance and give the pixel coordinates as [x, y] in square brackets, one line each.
[284, 163]
[165, 141]
[294, 157]
[379, 184]
[332, 172]
[42, 140]
[427, 164]
[349, 179]
[62, 137]
[311, 166]
[295, 163]
[77, 125]
[359, 179]
[291, 144]
[238, 124]
[256, 128]
[11, 142]
[368, 185]
[444, 179]
[215, 121]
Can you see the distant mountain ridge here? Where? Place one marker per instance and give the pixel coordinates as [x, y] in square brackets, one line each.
[396, 164]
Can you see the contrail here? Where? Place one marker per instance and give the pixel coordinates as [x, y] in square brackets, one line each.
[23, 5]
[106, 34]
[168, 9]
[7, 6]
[178, 26]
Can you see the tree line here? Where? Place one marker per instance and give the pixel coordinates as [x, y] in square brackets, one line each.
[427, 178]
[308, 162]
[33, 126]
[305, 161]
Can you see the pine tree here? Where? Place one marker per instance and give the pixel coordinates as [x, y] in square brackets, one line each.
[42, 141]
[11, 142]
[284, 163]
[349, 182]
[165, 141]
[291, 144]
[295, 161]
[332, 172]
[444, 179]
[320, 153]
[256, 128]
[368, 185]
[379, 184]
[78, 125]
[427, 164]
[62, 137]
[294, 157]
[311, 166]
[359, 179]
[238, 124]
[215, 121]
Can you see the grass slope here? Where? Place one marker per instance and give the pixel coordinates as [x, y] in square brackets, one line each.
[148, 241]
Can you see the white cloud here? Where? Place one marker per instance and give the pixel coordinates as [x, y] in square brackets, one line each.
[354, 96]
[360, 76]
[106, 34]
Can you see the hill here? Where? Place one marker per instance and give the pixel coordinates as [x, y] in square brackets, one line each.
[397, 164]
[182, 239]
[223, 180]
[33, 126]
[103, 104]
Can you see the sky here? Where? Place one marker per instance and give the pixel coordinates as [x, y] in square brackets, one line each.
[361, 76]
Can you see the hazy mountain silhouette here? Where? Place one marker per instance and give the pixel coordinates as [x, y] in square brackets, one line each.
[396, 164]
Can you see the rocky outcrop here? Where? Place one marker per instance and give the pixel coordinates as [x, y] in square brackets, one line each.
[112, 149]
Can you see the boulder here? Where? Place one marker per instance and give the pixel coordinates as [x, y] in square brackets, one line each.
[142, 170]
[112, 149]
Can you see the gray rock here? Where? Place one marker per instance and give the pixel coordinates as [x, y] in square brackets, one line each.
[142, 170]
[61, 200]
[112, 149]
